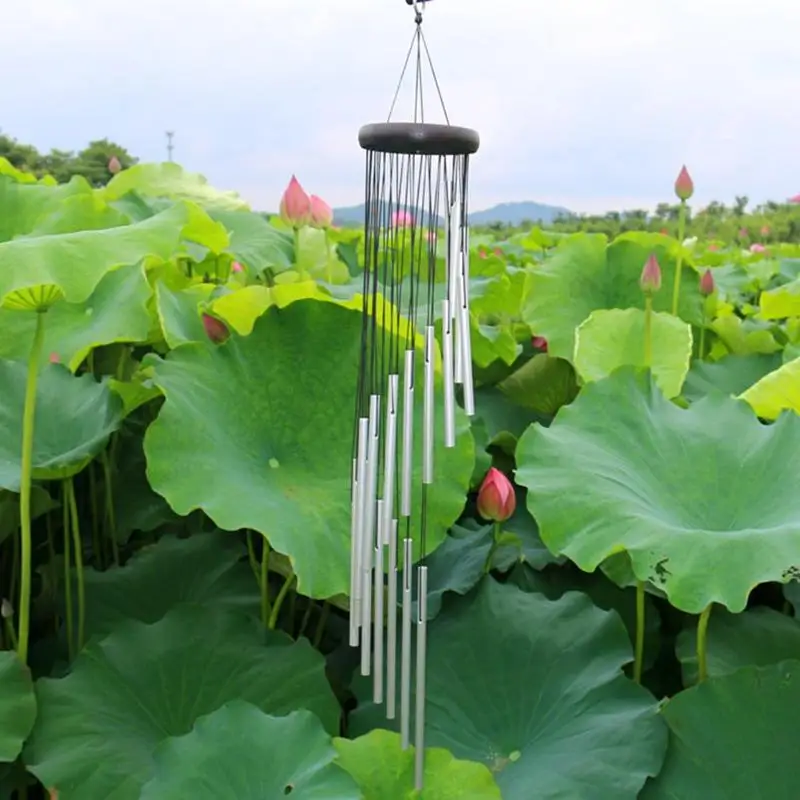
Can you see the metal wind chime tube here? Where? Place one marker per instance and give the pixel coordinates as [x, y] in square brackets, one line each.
[415, 367]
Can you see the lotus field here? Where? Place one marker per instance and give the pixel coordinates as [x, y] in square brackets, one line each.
[613, 587]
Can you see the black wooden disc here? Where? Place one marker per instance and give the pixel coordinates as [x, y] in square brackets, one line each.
[419, 138]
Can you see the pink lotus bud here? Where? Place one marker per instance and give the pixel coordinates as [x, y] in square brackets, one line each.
[402, 219]
[114, 165]
[496, 498]
[482, 253]
[498, 252]
[743, 233]
[713, 247]
[55, 358]
[650, 280]
[215, 329]
[664, 232]
[684, 187]
[765, 230]
[756, 247]
[540, 343]
[321, 212]
[707, 283]
[236, 267]
[295, 205]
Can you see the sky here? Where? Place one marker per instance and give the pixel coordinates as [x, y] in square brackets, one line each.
[589, 104]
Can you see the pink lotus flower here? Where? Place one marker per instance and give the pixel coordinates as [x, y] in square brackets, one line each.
[55, 358]
[650, 280]
[321, 212]
[498, 252]
[795, 199]
[765, 230]
[684, 186]
[482, 254]
[215, 329]
[664, 232]
[295, 207]
[402, 219]
[540, 343]
[114, 165]
[743, 233]
[756, 247]
[713, 247]
[496, 498]
[236, 267]
[707, 283]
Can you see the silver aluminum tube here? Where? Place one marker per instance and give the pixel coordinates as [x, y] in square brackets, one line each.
[428, 407]
[422, 641]
[405, 649]
[447, 379]
[368, 536]
[390, 458]
[453, 251]
[354, 543]
[466, 344]
[391, 626]
[407, 456]
[377, 637]
[361, 475]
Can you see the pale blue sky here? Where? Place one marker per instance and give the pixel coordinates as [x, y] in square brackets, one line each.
[591, 104]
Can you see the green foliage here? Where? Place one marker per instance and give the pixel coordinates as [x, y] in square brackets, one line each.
[189, 516]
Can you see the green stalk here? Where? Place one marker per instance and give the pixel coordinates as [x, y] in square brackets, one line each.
[97, 550]
[306, 618]
[495, 539]
[676, 289]
[12, 591]
[10, 635]
[702, 631]
[110, 513]
[51, 554]
[76, 539]
[639, 652]
[264, 583]
[26, 462]
[65, 508]
[273, 619]
[648, 330]
[323, 618]
[702, 346]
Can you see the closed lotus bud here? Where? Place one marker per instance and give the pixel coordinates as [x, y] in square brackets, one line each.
[684, 186]
[707, 283]
[765, 230]
[650, 280]
[6, 609]
[295, 205]
[496, 498]
[114, 165]
[55, 358]
[236, 267]
[321, 212]
[215, 329]
[540, 343]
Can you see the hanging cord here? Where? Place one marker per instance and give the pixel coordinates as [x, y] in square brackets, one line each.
[419, 43]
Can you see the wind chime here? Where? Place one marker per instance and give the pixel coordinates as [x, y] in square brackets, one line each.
[416, 185]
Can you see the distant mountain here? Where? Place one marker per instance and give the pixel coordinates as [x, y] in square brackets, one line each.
[505, 213]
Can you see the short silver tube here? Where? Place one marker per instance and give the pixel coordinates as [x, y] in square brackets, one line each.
[422, 644]
[447, 377]
[428, 407]
[405, 648]
[391, 626]
[407, 456]
[390, 457]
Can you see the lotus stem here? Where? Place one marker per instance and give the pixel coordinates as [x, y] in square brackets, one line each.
[111, 515]
[264, 582]
[65, 509]
[306, 617]
[702, 635]
[676, 289]
[251, 555]
[69, 487]
[638, 662]
[648, 330]
[273, 619]
[323, 618]
[496, 532]
[97, 551]
[26, 464]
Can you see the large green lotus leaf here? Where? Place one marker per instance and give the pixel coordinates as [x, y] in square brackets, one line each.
[258, 433]
[254, 242]
[744, 337]
[776, 392]
[759, 636]
[179, 312]
[677, 489]
[75, 262]
[384, 770]
[240, 753]
[98, 728]
[733, 738]
[782, 302]
[73, 330]
[205, 569]
[81, 212]
[612, 338]
[543, 384]
[74, 418]
[585, 274]
[500, 420]
[170, 180]
[731, 375]
[17, 705]
[514, 680]
[22, 205]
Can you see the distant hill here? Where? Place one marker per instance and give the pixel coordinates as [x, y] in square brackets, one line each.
[505, 213]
